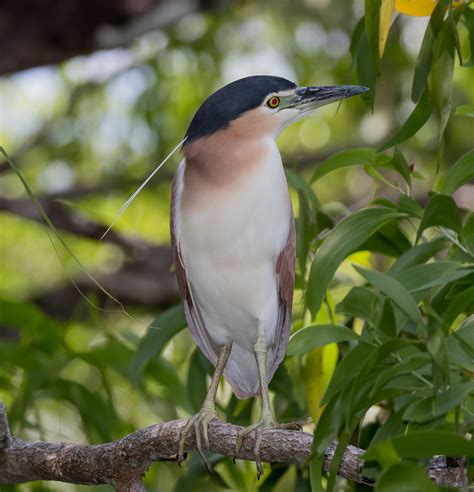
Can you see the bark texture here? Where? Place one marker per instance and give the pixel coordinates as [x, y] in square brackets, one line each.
[123, 463]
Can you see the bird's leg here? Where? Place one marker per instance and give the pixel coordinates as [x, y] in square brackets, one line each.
[201, 420]
[267, 420]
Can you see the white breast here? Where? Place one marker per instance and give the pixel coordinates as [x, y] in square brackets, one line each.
[229, 247]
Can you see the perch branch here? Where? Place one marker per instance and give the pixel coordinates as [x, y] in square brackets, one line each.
[122, 463]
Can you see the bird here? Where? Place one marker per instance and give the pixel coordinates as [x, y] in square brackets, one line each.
[233, 237]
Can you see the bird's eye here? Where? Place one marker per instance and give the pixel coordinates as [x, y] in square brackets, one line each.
[273, 102]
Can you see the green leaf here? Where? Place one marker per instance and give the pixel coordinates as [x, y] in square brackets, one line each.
[372, 25]
[414, 122]
[348, 235]
[404, 476]
[197, 384]
[462, 301]
[316, 469]
[453, 19]
[343, 441]
[417, 254]
[441, 210]
[405, 366]
[400, 164]
[305, 231]
[313, 336]
[427, 409]
[359, 30]
[410, 206]
[302, 484]
[423, 444]
[394, 290]
[112, 354]
[31, 322]
[441, 78]
[273, 478]
[465, 110]
[468, 15]
[359, 389]
[423, 65]
[383, 202]
[460, 346]
[459, 174]
[360, 302]
[425, 55]
[345, 158]
[373, 173]
[159, 333]
[331, 420]
[300, 184]
[165, 373]
[53, 233]
[436, 345]
[388, 240]
[98, 415]
[347, 370]
[422, 277]
[366, 71]
[393, 426]
[387, 321]
[468, 233]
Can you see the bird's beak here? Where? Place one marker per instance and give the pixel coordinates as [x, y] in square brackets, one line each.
[307, 99]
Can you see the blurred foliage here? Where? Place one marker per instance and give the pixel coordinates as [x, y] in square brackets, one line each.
[381, 354]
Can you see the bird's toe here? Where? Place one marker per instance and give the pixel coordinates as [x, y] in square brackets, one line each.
[199, 423]
[259, 428]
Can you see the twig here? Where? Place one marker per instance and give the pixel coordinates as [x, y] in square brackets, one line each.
[123, 463]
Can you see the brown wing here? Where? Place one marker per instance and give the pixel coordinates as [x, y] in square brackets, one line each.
[285, 269]
[191, 310]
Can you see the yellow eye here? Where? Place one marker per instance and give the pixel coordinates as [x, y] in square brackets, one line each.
[273, 102]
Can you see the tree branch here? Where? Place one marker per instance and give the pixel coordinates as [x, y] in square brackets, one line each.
[70, 220]
[123, 463]
[4, 429]
[32, 36]
[144, 279]
[146, 282]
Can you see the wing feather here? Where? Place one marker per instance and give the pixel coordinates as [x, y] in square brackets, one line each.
[285, 269]
[191, 309]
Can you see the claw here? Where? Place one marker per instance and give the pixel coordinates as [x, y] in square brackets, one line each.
[260, 427]
[240, 437]
[206, 437]
[199, 423]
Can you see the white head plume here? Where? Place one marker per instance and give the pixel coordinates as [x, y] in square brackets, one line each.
[140, 188]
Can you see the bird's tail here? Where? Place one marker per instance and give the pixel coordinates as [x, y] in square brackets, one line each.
[241, 371]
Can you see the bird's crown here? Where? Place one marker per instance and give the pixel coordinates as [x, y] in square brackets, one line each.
[229, 102]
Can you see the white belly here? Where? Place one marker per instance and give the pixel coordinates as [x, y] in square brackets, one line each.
[229, 248]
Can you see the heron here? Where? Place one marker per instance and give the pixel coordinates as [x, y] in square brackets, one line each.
[233, 236]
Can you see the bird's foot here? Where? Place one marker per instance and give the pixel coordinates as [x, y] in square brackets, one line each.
[199, 423]
[262, 425]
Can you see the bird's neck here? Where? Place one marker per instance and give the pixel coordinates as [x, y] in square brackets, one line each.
[226, 157]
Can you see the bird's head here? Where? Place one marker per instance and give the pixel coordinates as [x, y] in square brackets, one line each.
[261, 105]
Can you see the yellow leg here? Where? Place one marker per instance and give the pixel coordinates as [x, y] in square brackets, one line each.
[200, 421]
[267, 420]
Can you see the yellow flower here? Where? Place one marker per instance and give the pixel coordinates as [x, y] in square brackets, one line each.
[408, 7]
[418, 8]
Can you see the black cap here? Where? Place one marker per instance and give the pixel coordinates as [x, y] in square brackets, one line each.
[229, 102]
